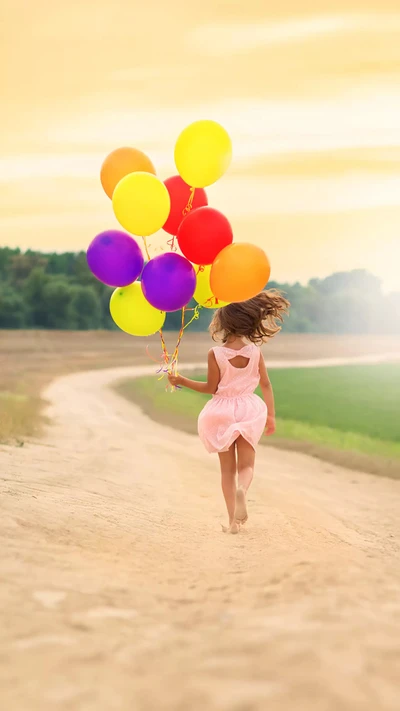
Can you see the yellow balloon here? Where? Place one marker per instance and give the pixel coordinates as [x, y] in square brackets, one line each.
[141, 203]
[203, 294]
[203, 153]
[132, 312]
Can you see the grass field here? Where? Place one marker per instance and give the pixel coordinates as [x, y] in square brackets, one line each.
[29, 360]
[347, 414]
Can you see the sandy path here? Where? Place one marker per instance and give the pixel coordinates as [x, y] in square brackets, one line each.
[118, 590]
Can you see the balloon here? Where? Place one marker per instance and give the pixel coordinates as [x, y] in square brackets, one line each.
[141, 203]
[168, 281]
[179, 193]
[203, 153]
[121, 162]
[203, 294]
[202, 235]
[115, 258]
[239, 272]
[133, 314]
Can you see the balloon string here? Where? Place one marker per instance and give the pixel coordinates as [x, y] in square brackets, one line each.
[163, 362]
[189, 202]
[173, 366]
[175, 355]
[146, 248]
[171, 244]
[169, 363]
[195, 317]
[165, 355]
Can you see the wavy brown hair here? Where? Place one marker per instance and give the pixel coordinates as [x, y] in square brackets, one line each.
[255, 319]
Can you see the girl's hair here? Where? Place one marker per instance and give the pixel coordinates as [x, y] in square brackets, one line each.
[254, 319]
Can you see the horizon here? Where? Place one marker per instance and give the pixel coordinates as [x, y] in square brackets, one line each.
[310, 98]
[281, 283]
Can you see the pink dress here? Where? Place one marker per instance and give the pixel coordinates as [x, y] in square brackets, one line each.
[234, 409]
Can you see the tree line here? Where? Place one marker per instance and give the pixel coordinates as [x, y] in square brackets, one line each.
[58, 291]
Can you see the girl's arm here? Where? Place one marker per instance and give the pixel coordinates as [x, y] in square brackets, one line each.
[268, 395]
[213, 378]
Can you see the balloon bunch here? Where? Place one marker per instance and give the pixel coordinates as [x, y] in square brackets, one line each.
[208, 266]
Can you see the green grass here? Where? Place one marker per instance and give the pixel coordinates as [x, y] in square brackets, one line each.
[364, 400]
[347, 409]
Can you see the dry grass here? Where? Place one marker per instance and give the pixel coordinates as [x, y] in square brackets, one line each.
[30, 359]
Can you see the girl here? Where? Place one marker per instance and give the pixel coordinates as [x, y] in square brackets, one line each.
[234, 420]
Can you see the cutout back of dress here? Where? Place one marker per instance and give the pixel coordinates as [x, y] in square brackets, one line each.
[239, 362]
[240, 370]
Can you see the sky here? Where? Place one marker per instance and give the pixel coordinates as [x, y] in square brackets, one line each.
[308, 91]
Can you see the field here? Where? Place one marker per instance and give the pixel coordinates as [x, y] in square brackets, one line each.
[347, 414]
[29, 360]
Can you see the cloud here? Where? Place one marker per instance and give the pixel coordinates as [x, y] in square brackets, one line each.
[54, 220]
[216, 40]
[53, 165]
[156, 72]
[238, 198]
[259, 128]
[296, 196]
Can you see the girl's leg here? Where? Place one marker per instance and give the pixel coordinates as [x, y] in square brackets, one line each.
[246, 458]
[227, 462]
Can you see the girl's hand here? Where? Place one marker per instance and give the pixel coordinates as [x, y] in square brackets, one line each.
[174, 380]
[270, 426]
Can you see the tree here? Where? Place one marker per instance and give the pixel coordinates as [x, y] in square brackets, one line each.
[34, 295]
[57, 290]
[6, 255]
[12, 308]
[21, 265]
[357, 279]
[104, 296]
[81, 271]
[84, 309]
[61, 263]
[57, 295]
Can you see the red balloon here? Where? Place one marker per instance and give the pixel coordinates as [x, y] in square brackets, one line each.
[203, 234]
[179, 192]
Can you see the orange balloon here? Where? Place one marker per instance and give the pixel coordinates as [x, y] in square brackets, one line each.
[120, 163]
[239, 272]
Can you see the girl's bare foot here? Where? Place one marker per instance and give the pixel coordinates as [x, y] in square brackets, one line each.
[232, 528]
[240, 507]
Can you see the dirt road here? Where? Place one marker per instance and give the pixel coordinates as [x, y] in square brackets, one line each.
[119, 591]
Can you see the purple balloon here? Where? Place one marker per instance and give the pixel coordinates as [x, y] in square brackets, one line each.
[115, 258]
[168, 282]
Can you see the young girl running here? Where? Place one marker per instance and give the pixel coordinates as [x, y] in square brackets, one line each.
[234, 420]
